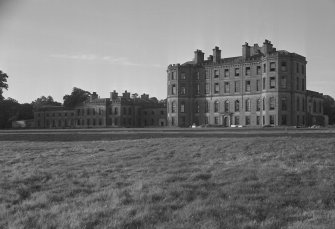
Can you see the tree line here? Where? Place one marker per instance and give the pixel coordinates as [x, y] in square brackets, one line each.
[12, 110]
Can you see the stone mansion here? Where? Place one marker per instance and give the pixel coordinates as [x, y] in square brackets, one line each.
[263, 86]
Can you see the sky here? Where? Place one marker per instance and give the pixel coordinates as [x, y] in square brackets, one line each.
[47, 47]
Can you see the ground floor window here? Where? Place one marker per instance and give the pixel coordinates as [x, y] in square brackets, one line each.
[272, 119]
[247, 120]
[216, 120]
[258, 120]
[283, 120]
[237, 120]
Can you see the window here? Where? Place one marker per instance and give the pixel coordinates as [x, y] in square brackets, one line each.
[258, 70]
[320, 107]
[247, 105]
[272, 66]
[297, 67]
[237, 71]
[216, 106]
[182, 107]
[226, 87]
[283, 82]
[264, 81]
[303, 104]
[173, 75]
[124, 111]
[302, 69]
[206, 120]
[297, 84]
[298, 121]
[88, 122]
[173, 107]
[197, 76]
[226, 73]
[258, 105]
[283, 66]
[272, 82]
[207, 88]
[216, 73]
[237, 105]
[258, 120]
[216, 88]
[247, 71]
[272, 119]
[247, 120]
[247, 85]
[129, 111]
[226, 106]
[216, 120]
[258, 85]
[283, 104]
[183, 76]
[263, 120]
[88, 111]
[283, 120]
[162, 112]
[314, 106]
[197, 89]
[196, 107]
[206, 106]
[263, 103]
[115, 110]
[272, 102]
[237, 120]
[298, 103]
[237, 86]
[183, 91]
[174, 89]
[264, 68]
[302, 84]
[116, 121]
[94, 122]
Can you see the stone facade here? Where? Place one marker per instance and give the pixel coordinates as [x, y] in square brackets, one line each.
[262, 87]
[116, 111]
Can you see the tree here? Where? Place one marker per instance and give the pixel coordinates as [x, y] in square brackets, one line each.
[3, 83]
[45, 101]
[9, 111]
[329, 108]
[78, 96]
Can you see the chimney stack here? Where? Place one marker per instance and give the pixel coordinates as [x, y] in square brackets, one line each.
[216, 55]
[245, 51]
[198, 57]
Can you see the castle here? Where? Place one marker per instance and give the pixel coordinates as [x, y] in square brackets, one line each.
[262, 87]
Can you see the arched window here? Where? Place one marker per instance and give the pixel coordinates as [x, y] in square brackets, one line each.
[216, 106]
[226, 106]
[247, 105]
[237, 105]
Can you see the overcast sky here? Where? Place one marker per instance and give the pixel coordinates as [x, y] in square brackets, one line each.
[47, 47]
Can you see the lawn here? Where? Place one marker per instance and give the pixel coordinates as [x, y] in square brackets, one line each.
[170, 182]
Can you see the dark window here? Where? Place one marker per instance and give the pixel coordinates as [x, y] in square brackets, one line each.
[283, 82]
[258, 85]
[258, 70]
[247, 105]
[258, 120]
[174, 89]
[302, 69]
[206, 106]
[216, 120]
[226, 87]
[237, 86]
[237, 71]
[183, 76]
[173, 75]
[272, 102]
[272, 82]
[247, 71]
[216, 106]
[283, 66]
[207, 88]
[216, 88]
[183, 91]
[226, 73]
[226, 106]
[237, 120]
[264, 83]
[247, 86]
[283, 104]
[173, 107]
[298, 103]
[302, 84]
[182, 107]
[197, 89]
[247, 120]
[297, 67]
[272, 67]
[196, 107]
[263, 103]
[115, 110]
[216, 73]
[237, 105]
[272, 119]
[297, 83]
[264, 68]
[258, 105]
[283, 120]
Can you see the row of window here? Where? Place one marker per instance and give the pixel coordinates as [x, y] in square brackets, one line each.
[153, 113]
[227, 108]
[247, 71]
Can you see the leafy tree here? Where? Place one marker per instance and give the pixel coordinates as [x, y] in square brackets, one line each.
[3, 83]
[78, 96]
[9, 111]
[45, 101]
[329, 108]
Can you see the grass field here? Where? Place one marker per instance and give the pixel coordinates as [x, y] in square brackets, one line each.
[169, 182]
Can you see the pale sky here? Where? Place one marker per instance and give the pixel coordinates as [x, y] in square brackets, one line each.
[47, 47]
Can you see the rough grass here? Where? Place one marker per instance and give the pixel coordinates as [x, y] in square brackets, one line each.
[274, 182]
